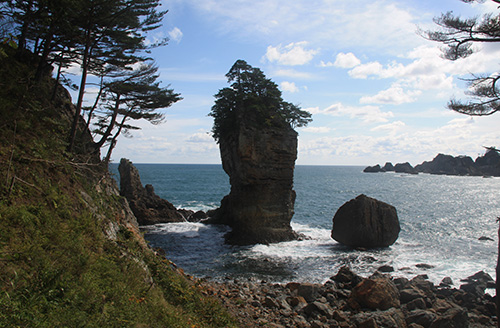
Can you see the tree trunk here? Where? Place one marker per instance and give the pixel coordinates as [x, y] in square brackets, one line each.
[81, 93]
[113, 141]
[111, 125]
[96, 102]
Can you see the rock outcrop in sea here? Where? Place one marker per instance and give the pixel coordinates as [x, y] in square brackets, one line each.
[148, 207]
[366, 222]
[260, 162]
[254, 128]
[486, 165]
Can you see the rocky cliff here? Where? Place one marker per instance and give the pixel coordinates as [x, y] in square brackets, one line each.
[260, 162]
[148, 207]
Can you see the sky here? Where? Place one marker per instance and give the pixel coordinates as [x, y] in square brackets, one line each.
[376, 88]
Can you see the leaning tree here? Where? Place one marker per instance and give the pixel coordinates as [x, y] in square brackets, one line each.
[459, 36]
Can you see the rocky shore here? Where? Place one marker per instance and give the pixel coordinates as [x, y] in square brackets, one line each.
[348, 300]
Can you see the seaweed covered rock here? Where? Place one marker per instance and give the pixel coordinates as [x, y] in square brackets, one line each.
[366, 222]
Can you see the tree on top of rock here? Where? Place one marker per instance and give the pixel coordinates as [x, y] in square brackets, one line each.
[253, 99]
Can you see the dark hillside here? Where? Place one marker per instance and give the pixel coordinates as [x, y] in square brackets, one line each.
[71, 254]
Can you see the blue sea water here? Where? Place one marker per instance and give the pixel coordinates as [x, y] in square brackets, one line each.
[441, 217]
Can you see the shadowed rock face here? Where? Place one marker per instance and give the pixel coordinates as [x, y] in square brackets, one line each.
[366, 222]
[148, 207]
[260, 162]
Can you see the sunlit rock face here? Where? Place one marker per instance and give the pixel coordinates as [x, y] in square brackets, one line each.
[260, 162]
[366, 222]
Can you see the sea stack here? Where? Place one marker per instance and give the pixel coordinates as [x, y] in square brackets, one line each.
[260, 163]
[253, 126]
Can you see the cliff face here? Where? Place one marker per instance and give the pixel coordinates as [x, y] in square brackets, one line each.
[260, 162]
[148, 207]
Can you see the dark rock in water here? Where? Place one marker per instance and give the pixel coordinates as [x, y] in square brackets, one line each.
[366, 222]
[148, 207]
[386, 268]
[447, 164]
[477, 283]
[373, 169]
[424, 266]
[388, 167]
[484, 238]
[197, 216]
[260, 161]
[405, 168]
[489, 164]
[446, 282]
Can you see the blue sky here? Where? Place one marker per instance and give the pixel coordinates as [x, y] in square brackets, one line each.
[376, 89]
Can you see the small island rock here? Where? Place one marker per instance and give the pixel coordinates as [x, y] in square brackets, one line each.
[366, 222]
[388, 167]
[405, 168]
[373, 169]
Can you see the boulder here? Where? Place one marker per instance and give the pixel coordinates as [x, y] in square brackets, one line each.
[346, 277]
[148, 207]
[378, 293]
[405, 168]
[366, 222]
[392, 318]
[260, 162]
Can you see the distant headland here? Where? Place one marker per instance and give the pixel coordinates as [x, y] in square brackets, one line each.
[486, 165]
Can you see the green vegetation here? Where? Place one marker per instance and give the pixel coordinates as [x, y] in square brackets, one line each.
[254, 100]
[459, 35]
[106, 39]
[69, 257]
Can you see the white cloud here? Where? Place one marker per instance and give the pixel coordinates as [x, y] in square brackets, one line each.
[291, 73]
[200, 137]
[347, 60]
[380, 25]
[289, 87]
[292, 54]
[390, 128]
[368, 114]
[401, 142]
[395, 95]
[316, 129]
[175, 34]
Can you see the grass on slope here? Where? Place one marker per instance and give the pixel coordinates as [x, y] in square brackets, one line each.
[57, 266]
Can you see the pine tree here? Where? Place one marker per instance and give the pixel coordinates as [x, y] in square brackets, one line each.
[135, 95]
[252, 98]
[459, 35]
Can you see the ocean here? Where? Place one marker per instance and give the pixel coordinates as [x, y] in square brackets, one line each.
[441, 218]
